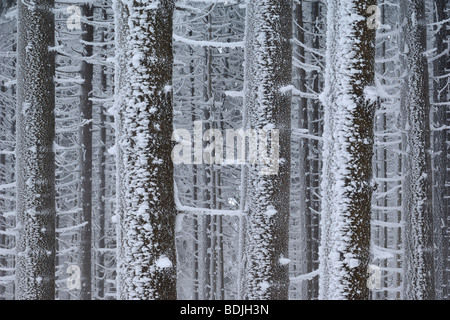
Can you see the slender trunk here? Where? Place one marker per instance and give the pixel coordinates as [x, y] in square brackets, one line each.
[220, 293]
[415, 106]
[195, 192]
[84, 258]
[315, 128]
[3, 261]
[102, 180]
[299, 79]
[440, 153]
[208, 173]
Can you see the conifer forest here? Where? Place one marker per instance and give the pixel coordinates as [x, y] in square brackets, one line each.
[224, 150]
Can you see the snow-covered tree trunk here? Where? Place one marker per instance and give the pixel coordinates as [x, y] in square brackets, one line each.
[268, 71]
[3, 172]
[349, 102]
[440, 151]
[315, 128]
[86, 71]
[145, 207]
[101, 202]
[35, 276]
[304, 214]
[415, 106]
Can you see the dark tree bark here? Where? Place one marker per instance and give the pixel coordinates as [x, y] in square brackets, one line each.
[144, 115]
[86, 71]
[268, 70]
[349, 103]
[440, 152]
[315, 128]
[102, 179]
[35, 273]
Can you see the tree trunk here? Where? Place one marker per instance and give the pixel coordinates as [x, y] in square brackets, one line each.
[3, 173]
[268, 69]
[85, 245]
[349, 101]
[299, 80]
[102, 179]
[415, 106]
[440, 153]
[315, 163]
[146, 207]
[35, 273]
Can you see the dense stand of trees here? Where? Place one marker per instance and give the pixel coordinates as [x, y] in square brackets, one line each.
[214, 150]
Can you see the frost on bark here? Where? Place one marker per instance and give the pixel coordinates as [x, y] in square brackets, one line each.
[415, 107]
[349, 103]
[102, 175]
[440, 152]
[86, 71]
[268, 69]
[145, 208]
[35, 269]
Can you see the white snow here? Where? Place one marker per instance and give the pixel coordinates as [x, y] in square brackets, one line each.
[163, 262]
[264, 286]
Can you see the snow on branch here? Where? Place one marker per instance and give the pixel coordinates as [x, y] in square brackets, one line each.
[234, 94]
[439, 23]
[202, 211]
[304, 277]
[215, 44]
[441, 128]
[7, 186]
[298, 93]
[8, 233]
[388, 224]
[7, 279]
[5, 252]
[304, 133]
[209, 212]
[314, 51]
[185, 7]
[72, 228]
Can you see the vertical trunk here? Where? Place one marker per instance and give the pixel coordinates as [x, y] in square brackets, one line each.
[3, 173]
[208, 193]
[195, 192]
[381, 235]
[220, 293]
[3, 262]
[349, 103]
[440, 153]
[243, 204]
[84, 258]
[268, 69]
[447, 188]
[146, 207]
[299, 78]
[315, 129]
[35, 159]
[415, 105]
[102, 180]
